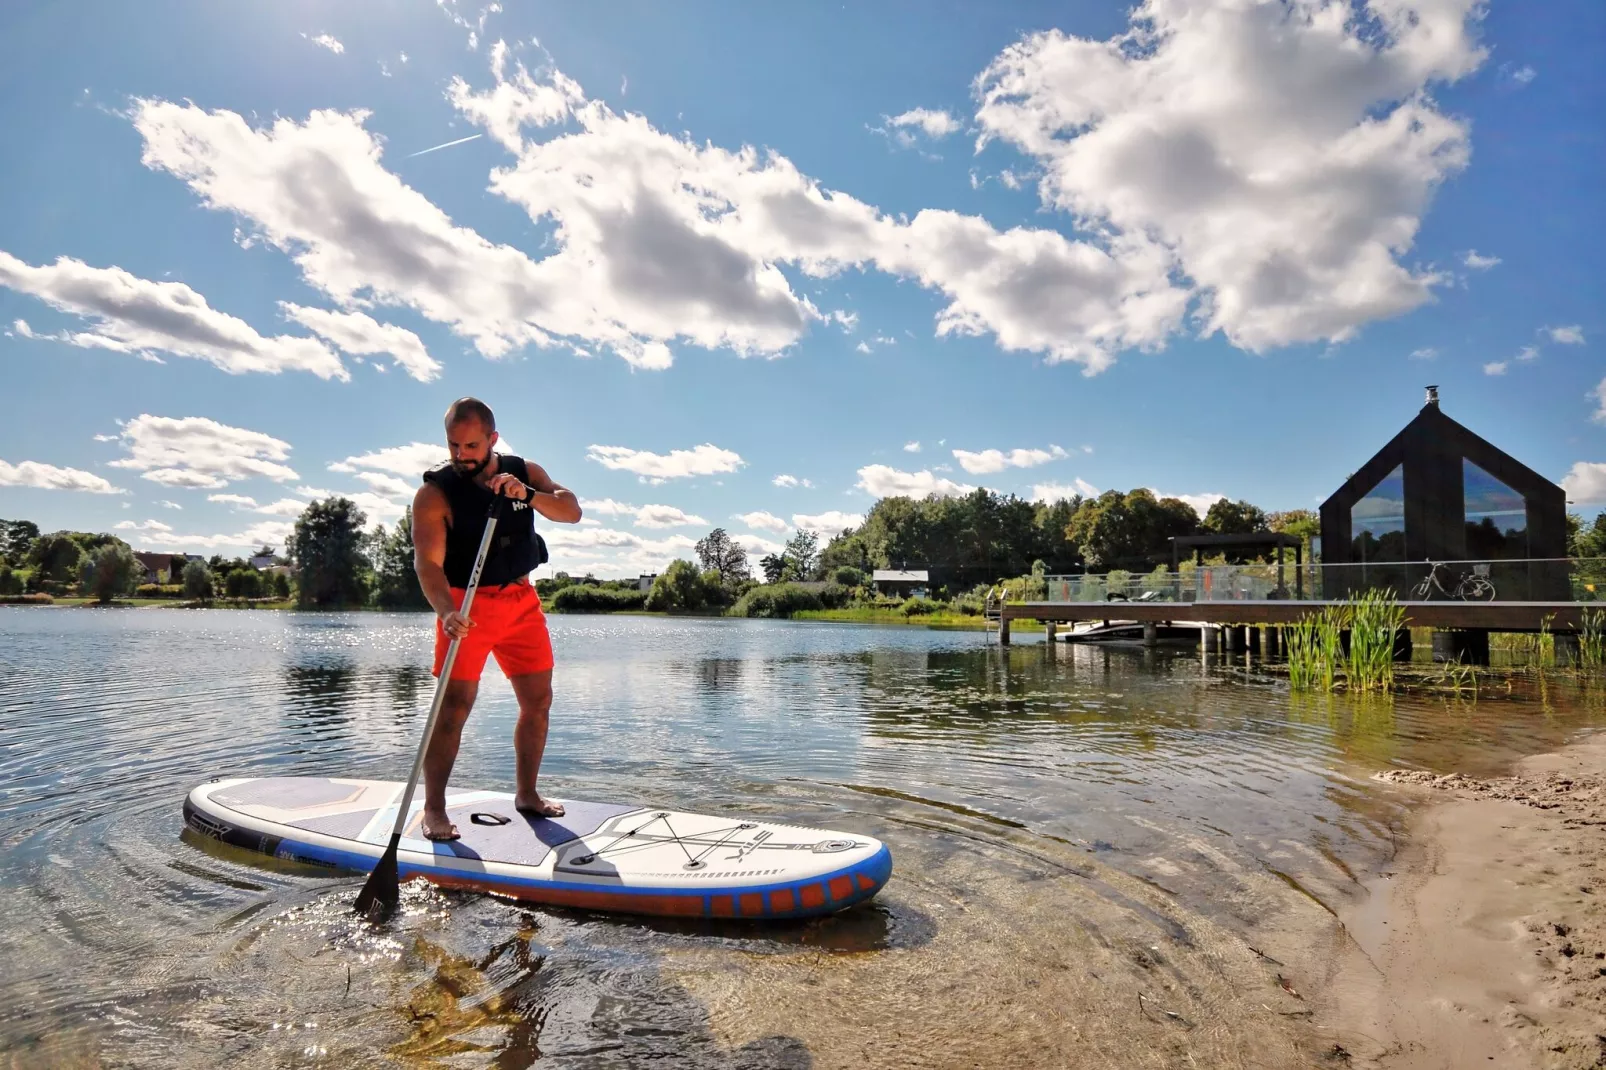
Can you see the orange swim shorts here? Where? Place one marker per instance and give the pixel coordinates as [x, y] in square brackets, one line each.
[509, 624]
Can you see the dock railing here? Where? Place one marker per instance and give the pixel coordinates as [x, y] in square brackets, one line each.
[1559, 579]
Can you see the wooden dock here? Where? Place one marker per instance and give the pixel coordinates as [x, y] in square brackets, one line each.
[1559, 617]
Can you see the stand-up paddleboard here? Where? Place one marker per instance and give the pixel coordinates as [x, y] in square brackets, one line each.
[599, 856]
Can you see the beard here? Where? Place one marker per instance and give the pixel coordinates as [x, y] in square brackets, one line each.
[470, 469]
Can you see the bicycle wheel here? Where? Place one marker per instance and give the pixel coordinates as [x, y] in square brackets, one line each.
[1477, 589]
[1423, 591]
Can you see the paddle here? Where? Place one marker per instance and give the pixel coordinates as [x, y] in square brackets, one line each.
[381, 893]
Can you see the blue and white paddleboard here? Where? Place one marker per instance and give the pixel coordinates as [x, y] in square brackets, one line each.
[615, 857]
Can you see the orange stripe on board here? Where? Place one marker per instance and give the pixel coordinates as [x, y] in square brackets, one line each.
[722, 906]
[841, 887]
[813, 895]
[752, 904]
[782, 901]
[865, 883]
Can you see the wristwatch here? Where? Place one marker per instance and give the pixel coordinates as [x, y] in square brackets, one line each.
[529, 492]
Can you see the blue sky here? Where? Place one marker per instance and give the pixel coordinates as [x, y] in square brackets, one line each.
[693, 249]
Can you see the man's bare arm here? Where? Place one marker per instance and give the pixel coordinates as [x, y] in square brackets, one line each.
[551, 500]
[430, 513]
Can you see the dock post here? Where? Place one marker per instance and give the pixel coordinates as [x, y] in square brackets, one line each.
[1229, 632]
[1209, 639]
[1274, 637]
[1151, 633]
[1567, 649]
[1003, 630]
[1470, 646]
[1049, 630]
[1402, 645]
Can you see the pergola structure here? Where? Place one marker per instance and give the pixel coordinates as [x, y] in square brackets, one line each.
[1260, 540]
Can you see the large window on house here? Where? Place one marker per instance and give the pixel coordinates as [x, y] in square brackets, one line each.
[1497, 517]
[1377, 521]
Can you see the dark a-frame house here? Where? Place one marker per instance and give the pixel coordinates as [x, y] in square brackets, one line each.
[1439, 492]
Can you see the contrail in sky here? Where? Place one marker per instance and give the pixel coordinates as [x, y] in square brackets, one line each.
[448, 145]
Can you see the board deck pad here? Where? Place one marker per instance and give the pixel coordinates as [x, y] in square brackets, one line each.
[609, 856]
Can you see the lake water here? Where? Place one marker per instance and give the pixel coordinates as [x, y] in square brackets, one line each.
[1072, 828]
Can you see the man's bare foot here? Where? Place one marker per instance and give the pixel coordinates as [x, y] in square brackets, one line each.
[438, 827]
[536, 806]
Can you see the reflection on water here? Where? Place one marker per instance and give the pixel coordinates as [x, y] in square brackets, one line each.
[1071, 827]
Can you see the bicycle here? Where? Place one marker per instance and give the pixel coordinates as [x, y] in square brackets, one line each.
[1471, 586]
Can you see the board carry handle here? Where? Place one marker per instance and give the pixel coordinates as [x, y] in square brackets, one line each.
[489, 819]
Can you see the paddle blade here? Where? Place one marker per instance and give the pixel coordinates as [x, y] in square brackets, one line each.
[382, 892]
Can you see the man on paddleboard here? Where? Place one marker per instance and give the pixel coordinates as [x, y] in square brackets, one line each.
[507, 621]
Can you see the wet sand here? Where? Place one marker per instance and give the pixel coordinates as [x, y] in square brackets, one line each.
[1484, 943]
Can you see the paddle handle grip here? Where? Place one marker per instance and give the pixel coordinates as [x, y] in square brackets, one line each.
[446, 668]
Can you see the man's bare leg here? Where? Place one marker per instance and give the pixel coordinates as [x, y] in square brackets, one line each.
[442, 754]
[534, 691]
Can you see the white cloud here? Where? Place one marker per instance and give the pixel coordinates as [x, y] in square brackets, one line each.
[911, 447]
[1495, 367]
[1282, 183]
[704, 460]
[1053, 492]
[934, 123]
[757, 546]
[197, 452]
[1527, 353]
[165, 504]
[988, 461]
[885, 482]
[50, 477]
[155, 526]
[361, 335]
[665, 516]
[515, 102]
[1599, 394]
[141, 318]
[21, 328]
[609, 507]
[1479, 263]
[763, 521]
[379, 509]
[1201, 503]
[1567, 336]
[1585, 483]
[324, 40]
[828, 524]
[390, 486]
[1521, 75]
[285, 507]
[1425, 353]
[270, 532]
[233, 499]
[784, 480]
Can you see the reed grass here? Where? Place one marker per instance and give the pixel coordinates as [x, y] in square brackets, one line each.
[1592, 641]
[1375, 620]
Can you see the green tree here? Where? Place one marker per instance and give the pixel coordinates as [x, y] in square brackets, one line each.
[16, 537]
[281, 585]
[718, 551]
[773, 566]
[113, 570]
[678, 587]
[800, 554]
[329, 549]
[847, 550]
[55, 557]
[1590, 541]
[242, 583]
[9, 582]
[395, 580]
[1234, 518]
[1118, 530]
[197, 581]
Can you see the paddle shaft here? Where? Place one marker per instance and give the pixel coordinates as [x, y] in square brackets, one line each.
[446, 672]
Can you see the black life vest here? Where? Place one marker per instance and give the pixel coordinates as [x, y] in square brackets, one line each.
[516, 548]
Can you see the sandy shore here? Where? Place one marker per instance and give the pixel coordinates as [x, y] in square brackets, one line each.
[1484, 943]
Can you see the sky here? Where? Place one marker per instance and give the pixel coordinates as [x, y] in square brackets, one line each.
[757, 266]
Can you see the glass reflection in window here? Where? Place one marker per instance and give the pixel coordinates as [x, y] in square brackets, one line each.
[1377, 521]
[1496, 515]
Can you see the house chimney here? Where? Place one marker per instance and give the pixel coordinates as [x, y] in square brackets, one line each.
[1433, 396]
